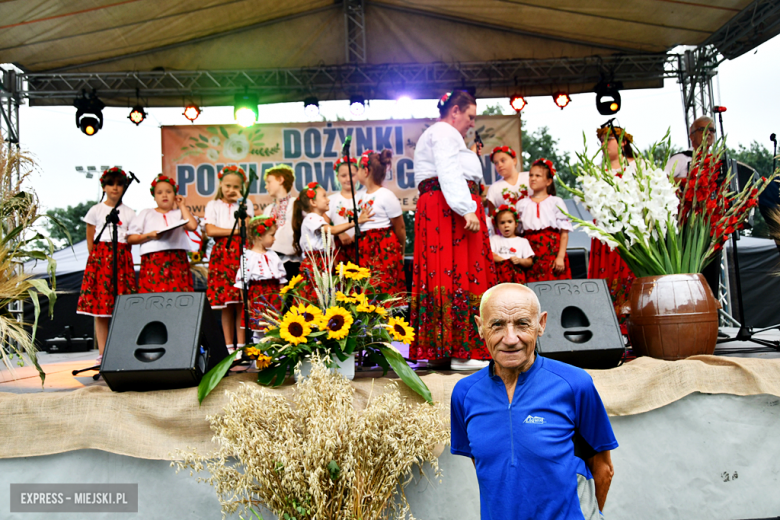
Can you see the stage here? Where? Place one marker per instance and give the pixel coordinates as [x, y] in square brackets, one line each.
[697, 438]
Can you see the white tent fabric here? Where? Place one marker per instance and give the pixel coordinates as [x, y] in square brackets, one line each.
[70, 260]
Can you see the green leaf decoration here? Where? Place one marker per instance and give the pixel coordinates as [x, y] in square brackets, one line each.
[215, 375]
[406, 374]
[223, 132]
[201, 145]
[212, 130]
[193, 139]
[204, 138]
[273, 375]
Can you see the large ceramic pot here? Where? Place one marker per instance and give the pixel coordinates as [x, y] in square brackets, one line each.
[345, 368]
[673, 316]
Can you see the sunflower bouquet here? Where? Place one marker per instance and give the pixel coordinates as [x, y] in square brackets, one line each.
[347, 315]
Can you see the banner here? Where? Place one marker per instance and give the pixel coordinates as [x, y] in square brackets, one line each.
[194, 154]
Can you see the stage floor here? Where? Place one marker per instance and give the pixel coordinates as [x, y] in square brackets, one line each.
[58, 367]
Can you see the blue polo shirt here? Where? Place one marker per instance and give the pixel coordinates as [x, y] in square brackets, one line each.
[524, 451]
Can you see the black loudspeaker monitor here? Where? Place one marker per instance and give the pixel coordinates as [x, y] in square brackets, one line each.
[582, 328]
[159, 341]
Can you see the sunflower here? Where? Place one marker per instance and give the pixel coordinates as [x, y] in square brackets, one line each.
[337, 322]
[380, 310]
[294, 328]
[400, 330]
[343, 298]
[262, 362]
[360, 299]
[352, 271]
[295, 281]
[252, 352]
[309, 312]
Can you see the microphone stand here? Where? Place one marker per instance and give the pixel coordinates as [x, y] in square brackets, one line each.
[240, 221]
[744, 333]
[354, 217]
[113, 219]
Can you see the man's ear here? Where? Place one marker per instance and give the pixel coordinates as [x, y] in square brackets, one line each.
[542, 323]
[478, 321]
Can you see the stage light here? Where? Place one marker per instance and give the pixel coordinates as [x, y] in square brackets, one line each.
[357, 105]
[245, 109]
[561, 99]
[89, 113]
[608, 97]
[311, 106]
[137, 115]
[191, 112]
[517, 102]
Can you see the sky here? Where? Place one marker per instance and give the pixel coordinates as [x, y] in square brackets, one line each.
[746, 86]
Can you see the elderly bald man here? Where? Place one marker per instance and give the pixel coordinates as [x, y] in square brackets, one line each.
[519, 418]
[702, 130]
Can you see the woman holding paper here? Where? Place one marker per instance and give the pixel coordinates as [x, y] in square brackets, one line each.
[164, 242]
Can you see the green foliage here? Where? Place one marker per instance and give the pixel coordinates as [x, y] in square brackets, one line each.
[661, 151]
[493, 110]
[409, 223]
[756, 156]
[72, 221]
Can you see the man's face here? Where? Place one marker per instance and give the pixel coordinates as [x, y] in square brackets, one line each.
[700, 129]
[510, 325]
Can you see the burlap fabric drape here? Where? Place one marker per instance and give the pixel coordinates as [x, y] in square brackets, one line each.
[153, 425]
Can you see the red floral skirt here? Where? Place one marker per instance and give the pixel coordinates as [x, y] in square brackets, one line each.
[165, 271]
[452, 268]
[507, 272]
[546, 243]
[263, 295]
[97, 287]
[381, 251]
[307, 290]
[223, 266]
[605, 263]
[344, 253]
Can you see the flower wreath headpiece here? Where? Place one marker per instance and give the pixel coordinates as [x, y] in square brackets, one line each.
[545, 162]
[504, 207]
[602, 134]
[311, 189]
[164, 178]
[365, 158]
[265, 224]
[232, 170]
[277, 167]
[445, 99]
[342, 160]
[115, 169]
[504, 149]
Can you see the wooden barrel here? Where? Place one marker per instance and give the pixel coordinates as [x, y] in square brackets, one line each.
[673, 316]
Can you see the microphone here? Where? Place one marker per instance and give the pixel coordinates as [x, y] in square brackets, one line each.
[718, 109]
[608, 123]
[133, 177]
[347, 143]
[773, 138]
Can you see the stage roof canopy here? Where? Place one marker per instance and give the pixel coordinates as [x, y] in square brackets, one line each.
[147, 36]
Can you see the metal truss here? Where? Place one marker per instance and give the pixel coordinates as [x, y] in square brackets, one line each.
[696, 68]
[355, 26]
[10, 99]
[754, 25]
[339, 81]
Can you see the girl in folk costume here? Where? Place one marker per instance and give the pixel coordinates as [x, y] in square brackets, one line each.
[264, 272]
[341, 208]
[511, 253]
[453, 265]
[278, 183]
[164, 263]
[308, 225]
[605, 263]
[97, 287]
[225, 255]
[383, 239]
[513, 185]
[545, 226]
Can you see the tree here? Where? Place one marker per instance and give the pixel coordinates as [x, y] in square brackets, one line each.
[758, 157]
[72, 218]
[540, 143]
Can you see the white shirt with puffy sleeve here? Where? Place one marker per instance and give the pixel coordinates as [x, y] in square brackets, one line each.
[261, 266]
[97, 214]
[152, 220]
[221, 214]
[385, 205]
[311, 232]
[545, 214]
[441, 152]
[341, 207]
[501, 192]
[512, 246]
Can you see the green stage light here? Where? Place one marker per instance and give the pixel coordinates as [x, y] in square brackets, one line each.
[245, 109]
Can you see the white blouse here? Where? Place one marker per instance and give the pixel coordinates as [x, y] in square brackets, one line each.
[282, 211]
[441, 152]
[152, 220]
[221, 214]
[512, 246]
[385, 205]
[261, 266]
[311, 232]
[341, 207]
[545, 214]
[97, 214]
[501, 192]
